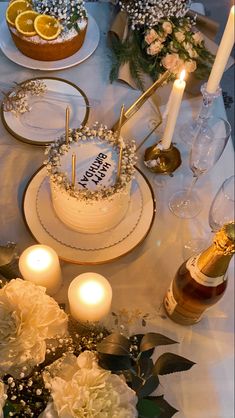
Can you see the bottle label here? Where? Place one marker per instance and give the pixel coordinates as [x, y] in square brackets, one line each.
[199, 277]
[169, 301]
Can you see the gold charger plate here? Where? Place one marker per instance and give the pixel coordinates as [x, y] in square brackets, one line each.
[90, 249]
[45, 122]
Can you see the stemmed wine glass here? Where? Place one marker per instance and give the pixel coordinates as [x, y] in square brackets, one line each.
[207, 147]
[222, 209]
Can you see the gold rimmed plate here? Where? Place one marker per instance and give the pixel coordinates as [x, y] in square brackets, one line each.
[45, 121]
[91, 249]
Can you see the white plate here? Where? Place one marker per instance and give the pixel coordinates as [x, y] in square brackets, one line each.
[90, 44]
[45, 122]
[81, 248]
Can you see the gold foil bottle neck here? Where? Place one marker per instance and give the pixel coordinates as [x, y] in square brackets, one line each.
[224, 239]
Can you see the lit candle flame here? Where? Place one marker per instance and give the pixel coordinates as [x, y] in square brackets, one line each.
[39, 259]
[182, 75]
[91, 292]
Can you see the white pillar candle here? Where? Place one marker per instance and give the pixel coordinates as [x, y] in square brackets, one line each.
[90, 296]
[222, 55]
[174, 107]
[40, 265]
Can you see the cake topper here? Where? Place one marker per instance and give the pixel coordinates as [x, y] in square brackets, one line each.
[74, 158]
[118, 140]
[67, 117]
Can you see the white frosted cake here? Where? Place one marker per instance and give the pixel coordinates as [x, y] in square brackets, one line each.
[97, 200]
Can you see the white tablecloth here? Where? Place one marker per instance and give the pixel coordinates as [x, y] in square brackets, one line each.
[140, 279]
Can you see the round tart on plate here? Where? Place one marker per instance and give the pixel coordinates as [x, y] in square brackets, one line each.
[47, 30]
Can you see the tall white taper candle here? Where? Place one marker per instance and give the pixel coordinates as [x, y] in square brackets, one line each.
[222, 55]
[174, 107]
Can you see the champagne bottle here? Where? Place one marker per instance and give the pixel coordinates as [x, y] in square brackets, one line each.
[201, 281]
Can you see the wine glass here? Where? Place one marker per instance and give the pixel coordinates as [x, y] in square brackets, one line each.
[207, 147]
[222, 208]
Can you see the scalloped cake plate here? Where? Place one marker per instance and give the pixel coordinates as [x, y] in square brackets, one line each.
[45, 121]
[75, 247]
[89, 46]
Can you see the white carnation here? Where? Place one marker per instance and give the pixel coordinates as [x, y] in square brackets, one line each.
[3, 397]
[82, 389]
[28, 317]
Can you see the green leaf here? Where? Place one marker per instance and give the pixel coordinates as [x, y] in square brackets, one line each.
[136, 382]
[145, 367]
[148, 409]
[153, 339]
[76, 27]
[148, 387]
[114, 363]
[167, 411]
[171, 363]
[10, 407]
[136, 340]
[115, 344]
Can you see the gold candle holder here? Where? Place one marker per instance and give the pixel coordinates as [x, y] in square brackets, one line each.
[162, 161]
[142, 99]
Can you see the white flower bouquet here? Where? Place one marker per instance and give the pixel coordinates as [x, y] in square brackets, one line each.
[160, 38]
[50, 367]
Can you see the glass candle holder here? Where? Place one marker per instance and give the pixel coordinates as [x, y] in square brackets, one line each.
[191, 129]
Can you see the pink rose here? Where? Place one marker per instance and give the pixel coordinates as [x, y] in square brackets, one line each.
[179, 36]
[191, 51]
[167, 27]
[190, 66]
[151, 36]
[173, 63]
[154, 48]
[198, 38]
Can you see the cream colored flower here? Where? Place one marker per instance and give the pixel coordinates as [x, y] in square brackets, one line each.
[191, 51]
[3, 398]
[151, 36]
[173, 63]
[28, 317]
[167, 27]
[91, 392]
[198, 38]
[154, 48]
[179, 36]
[190, 66]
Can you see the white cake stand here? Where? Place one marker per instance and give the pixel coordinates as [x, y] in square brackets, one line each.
[75, 247]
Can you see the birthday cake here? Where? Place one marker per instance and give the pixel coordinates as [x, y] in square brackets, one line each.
[47, 30]
[92, 198]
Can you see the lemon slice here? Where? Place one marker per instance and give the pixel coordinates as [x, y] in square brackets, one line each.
[15, 8]
[25, 23]
[47, 27]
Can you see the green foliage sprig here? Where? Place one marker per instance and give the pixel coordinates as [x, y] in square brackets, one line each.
[132, 358]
